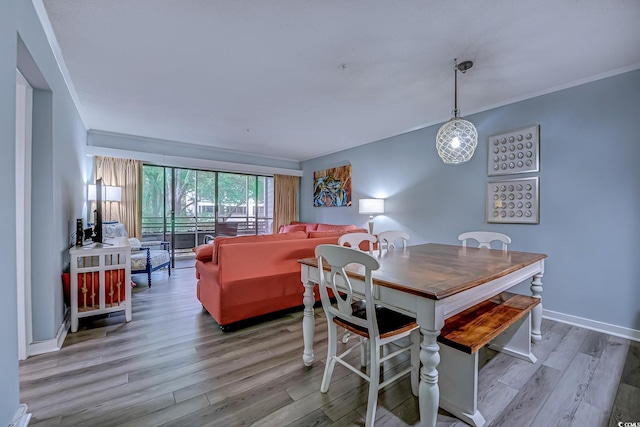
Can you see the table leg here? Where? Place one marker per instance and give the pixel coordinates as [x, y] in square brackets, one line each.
[536, 313]
[308, 323]
[428, 391]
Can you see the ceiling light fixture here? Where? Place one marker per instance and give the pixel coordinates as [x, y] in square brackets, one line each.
[458, 138]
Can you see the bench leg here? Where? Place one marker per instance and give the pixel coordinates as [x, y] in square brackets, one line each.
[458, 381]
[516, 340]
[149, 277]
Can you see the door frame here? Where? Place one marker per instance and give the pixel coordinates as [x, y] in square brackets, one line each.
[24, 110]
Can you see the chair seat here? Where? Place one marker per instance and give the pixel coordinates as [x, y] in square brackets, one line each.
[139, 259]
[389, 322]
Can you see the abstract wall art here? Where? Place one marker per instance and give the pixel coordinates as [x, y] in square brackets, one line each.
[332, 187]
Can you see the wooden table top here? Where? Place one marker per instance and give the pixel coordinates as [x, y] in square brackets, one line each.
[437, 271]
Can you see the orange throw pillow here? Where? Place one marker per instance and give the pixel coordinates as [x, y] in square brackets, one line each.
[332, 227]
[291, 228]
[311, 226]
[204, 252]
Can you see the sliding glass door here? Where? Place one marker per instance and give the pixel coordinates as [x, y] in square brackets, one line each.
[205, 209]
[185, 206]
[245, 203]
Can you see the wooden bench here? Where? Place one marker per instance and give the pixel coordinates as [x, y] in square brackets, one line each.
[503, 322]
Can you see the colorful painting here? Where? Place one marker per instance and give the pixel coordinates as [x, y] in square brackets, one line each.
[332, 187]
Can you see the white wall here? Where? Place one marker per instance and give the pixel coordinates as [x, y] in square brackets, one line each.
[589, 193]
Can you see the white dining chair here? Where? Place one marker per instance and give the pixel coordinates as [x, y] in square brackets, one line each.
[388, 239]
[378, 325]
[485, 238]
[353, 240]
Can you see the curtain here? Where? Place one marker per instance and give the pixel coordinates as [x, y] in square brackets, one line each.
[285, 200]
[126, 174]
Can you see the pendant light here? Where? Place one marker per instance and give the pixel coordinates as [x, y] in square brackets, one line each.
[458, 138]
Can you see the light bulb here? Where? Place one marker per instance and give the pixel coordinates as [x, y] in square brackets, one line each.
[455, 142]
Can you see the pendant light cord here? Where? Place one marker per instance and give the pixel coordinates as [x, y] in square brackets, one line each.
[455, 88]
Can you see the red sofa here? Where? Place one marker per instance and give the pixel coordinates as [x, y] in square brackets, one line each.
[247, 276]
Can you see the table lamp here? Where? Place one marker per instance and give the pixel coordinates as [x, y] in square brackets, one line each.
[109, 194]
[371, 207]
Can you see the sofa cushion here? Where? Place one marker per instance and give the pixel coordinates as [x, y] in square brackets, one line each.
[112, 230]
[364, 246]
[292, 228]
[139, 259]
[311, 226]
[333, 227]
[319, 234]
[135, 243]
[253, 238]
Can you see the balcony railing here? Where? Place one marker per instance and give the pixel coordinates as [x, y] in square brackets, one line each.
[188, 233]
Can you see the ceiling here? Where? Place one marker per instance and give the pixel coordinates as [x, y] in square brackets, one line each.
[296, 79]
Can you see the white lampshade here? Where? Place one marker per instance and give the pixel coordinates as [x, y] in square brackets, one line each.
[371, 206]
[109, 193]
[113, 194]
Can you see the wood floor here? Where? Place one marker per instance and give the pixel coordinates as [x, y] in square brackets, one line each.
[172, 366]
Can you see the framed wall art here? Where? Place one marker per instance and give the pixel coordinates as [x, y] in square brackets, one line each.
[514, 152]
[513, 201]
[332, 187]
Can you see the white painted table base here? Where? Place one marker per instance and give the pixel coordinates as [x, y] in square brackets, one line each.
[430, 315]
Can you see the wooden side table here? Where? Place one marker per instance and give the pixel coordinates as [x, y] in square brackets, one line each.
[100, 280]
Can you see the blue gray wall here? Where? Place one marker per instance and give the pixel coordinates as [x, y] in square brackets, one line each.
[58, 178]
[59, 169]
[9, 394]
[589, 193]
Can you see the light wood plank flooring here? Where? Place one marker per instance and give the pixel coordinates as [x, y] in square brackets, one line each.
[172, 366]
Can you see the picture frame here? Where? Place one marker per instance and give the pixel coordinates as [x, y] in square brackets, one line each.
[513, 201]
[332, 187]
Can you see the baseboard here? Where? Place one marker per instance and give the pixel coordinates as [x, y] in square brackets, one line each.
[54, 344]
[21, 418]
[618, 331]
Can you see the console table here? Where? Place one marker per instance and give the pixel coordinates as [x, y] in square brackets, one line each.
[100, 280]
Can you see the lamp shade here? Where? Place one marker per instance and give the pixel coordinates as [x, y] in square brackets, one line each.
[109, 193]
[371, 206]
[113, 194]
[456, 141]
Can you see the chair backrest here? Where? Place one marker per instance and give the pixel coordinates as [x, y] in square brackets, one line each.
[391, 237]
[484, 238]
[335, 278]
[354, 240]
